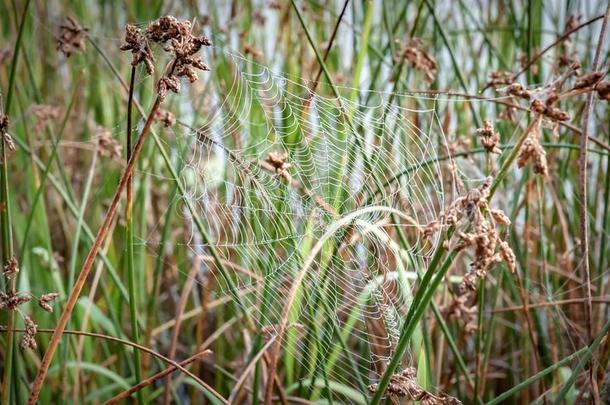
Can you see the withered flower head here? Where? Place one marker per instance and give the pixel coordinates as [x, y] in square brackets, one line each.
[71, 37]
[500, 78]
[489, 137]
[603, 90]
[477, 233]
[167, 118]
[107, 145]
[27, 340]
[11, 300]
[404, 384]
[45, 300]
[11, 268]
[182, 44]
[420, 59]
[279, 162]
[44, 113]
[533, 150]
[517, 90]
[588, 80]
[6, 138]
[548, 111]
[137, 43]
[461, 307]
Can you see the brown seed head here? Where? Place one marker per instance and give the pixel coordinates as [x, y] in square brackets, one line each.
[167, 118]
[71, 37]
[11, 300]
[107, 145]
[27, 340]
[489, 138]
[588, 80]
[279, 162]
[45, 300]
[420, 59]
[603, 90]
[6, 138]
[11, 268]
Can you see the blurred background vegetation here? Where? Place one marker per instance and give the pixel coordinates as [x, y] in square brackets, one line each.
[521, 334]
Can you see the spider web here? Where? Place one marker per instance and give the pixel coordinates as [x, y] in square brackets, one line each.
[344, 212]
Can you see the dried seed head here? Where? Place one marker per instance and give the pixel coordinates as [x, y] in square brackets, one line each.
[44, 113]
[167, 118]
[183, 45]
[500, 78]
[500, 217]
[27, 340]
[430, 229]
[508, 256]
[137, 43]
[107, 145]
[603, 90]
[256, 53]
[588, 80]
[404, 384]
[417, 56]
[517, 90]
[489, 138]
[279, 162]
[71, 37]
[549, 112]
[481, 238]
[11, 268]
[533, 150]
[458, 308]
[6, 138]
[45, 300]
[11, 300]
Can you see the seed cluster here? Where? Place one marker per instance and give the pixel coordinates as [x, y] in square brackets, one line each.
[71, 37]
[44, 113]
[11, 300]
[533, 150]
[279, 162]
[11, 268]
[489, 137]
[475, 231]
[165, 117]
[107, 145]
[416, 55]
[404, 384]
[178, 40]
[6, 138]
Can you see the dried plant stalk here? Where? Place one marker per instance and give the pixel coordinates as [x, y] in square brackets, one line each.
[183, 46]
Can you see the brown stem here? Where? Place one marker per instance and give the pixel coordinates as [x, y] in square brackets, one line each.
[584, 210]
[82, 278]
[135, 346]
[330, 45]
[150, 380]
[190, 280]
[551, 46]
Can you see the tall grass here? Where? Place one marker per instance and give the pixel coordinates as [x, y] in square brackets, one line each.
[165, 295]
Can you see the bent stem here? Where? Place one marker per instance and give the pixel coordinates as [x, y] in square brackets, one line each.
[5, 223]
[429, 284]
[88, 264]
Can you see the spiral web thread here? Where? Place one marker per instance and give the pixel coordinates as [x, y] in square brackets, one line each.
[359, 195]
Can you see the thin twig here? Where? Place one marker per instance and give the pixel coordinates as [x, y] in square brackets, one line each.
[330, 44]
[150, 380]
[555, 43]
[135, 346]
[584, 209]
[186, 290]
[82, 278]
